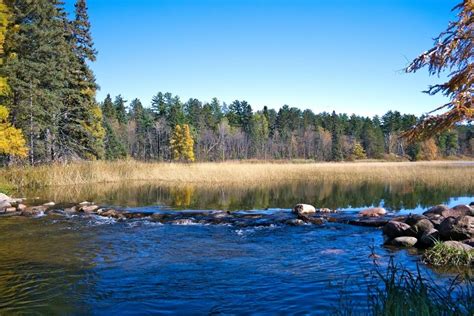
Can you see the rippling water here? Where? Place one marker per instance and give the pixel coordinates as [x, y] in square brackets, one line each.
[90, 265]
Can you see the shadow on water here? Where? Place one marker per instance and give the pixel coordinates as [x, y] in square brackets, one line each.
[239, 197]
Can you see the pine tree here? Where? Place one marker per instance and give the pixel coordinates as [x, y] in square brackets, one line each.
[120, 109]
[108, 108]
[452, 52]
[358, 151]
[336, 153]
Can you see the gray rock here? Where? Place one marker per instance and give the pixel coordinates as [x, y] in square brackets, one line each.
[394, 229]
[438, 210]
[469, 242]
[4, 205]
[49, 204]
[458, 210]
[457, 228]
[436, 219]
[458, 245]
[404, 241]
[429, 238]
[89, 209]
[421, 226]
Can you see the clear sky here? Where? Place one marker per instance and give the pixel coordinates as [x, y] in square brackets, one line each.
[343, 55]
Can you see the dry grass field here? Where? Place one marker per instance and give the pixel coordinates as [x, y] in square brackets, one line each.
[242, 173]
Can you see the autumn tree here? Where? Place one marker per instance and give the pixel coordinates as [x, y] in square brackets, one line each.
[182, 143]
[454, 52]
[358, 151]
[12, 141]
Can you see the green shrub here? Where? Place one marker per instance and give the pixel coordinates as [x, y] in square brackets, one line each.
[441, 254]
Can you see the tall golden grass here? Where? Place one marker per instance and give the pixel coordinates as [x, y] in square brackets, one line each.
[434, 173]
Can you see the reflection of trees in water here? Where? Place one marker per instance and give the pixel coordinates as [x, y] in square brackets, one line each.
[278, 195]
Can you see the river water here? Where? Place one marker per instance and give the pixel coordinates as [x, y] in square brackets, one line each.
[90, 265]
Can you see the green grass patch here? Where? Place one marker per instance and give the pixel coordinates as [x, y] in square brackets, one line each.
[442, 255]
[6, 188]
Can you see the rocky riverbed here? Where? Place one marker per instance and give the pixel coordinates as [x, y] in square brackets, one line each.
[453, 226]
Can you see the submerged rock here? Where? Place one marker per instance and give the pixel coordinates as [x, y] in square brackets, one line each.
[34, 210]
[304, 209]
[325, 210]
[373, 212]
[295, 222]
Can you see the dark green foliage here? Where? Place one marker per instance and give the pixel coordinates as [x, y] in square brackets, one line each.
[53, 90]
[120, 109]
[108, 108]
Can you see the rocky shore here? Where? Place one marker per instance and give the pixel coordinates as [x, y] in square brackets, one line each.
[452, 226]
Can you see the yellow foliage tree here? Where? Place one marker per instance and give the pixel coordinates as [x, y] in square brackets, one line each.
[12, 141]
[358, 151]
[182, 143]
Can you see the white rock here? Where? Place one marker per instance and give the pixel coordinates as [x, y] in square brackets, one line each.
[304, 209]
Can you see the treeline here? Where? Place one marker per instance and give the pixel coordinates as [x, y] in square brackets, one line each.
[49, 112]
[234, 131]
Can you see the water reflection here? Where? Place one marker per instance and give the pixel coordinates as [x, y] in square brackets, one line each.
[279, 195]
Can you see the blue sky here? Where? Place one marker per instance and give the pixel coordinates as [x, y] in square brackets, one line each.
[343, 55]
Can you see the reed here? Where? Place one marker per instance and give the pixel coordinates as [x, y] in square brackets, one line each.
[245, 172]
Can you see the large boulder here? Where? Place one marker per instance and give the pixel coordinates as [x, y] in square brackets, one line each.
[304, 209]
[459, 228]
[394, 229]
[457, 245]
[373, 212]
[421, 226]
[4, 205]
[438, 210]
[4, 197]
[436, 219]
[404, 241]
[458, 210]
[429, 238]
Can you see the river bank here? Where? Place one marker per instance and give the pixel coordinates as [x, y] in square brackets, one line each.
[459, 173]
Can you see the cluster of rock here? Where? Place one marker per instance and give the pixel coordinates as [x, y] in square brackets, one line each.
[454, 226]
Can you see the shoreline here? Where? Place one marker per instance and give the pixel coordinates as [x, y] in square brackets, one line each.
[237, 172]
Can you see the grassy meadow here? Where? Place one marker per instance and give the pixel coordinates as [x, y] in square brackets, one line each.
[460, 173]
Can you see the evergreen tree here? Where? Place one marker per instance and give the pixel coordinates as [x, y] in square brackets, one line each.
[336, 153]
[108, 108]
[120, 109]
